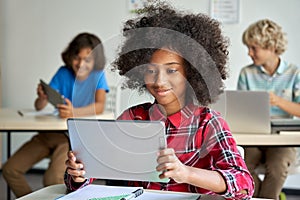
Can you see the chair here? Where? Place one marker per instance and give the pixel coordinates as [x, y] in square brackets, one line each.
[241, 151]
[294, 168]
[111, 100]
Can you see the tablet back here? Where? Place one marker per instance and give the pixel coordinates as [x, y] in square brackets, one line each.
[121, 150]
[53, 96]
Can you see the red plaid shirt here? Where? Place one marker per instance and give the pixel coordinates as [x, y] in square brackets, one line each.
[201, 138]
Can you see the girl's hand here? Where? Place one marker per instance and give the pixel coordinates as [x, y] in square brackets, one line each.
[171, 166]
[75, 168]
[40, 92]
[65, 110]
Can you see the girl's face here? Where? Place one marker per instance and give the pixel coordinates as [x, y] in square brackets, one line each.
[259, 55]
[165, 79]
[83, 63]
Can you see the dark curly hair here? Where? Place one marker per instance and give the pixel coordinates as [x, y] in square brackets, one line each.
[85, 40]
[195, 37]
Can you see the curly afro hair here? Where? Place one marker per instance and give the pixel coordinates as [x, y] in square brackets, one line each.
[196, 38]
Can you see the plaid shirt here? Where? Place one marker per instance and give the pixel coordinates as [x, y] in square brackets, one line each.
[202, 139]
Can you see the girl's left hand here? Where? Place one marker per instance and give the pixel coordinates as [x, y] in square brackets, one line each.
[75, 168]
[171, 166]
[65, 110]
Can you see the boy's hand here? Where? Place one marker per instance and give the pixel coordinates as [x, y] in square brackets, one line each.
[274, 99]
[171, 166]
[75, 168]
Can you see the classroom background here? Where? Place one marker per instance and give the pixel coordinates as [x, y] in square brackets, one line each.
[33, 33]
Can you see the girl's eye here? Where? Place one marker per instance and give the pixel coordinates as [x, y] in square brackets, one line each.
[88, 60]
[170, 71]
[150, 71]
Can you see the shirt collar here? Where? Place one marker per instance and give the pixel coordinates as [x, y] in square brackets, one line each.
[155, 114]
[281, 68]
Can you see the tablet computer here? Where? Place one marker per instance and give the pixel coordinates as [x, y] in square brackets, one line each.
[118, 149]
[54, 97]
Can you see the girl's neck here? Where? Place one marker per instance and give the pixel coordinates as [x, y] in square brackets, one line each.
[171, 108]
[82, 78]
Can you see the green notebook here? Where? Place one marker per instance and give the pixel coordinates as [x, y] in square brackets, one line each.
[110, 198]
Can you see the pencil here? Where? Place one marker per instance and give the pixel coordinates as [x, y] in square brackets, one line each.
[20, 113]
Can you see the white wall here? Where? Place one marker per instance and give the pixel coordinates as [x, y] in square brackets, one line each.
[33, 33]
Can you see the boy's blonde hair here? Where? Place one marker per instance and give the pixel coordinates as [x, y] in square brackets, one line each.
[266, 34]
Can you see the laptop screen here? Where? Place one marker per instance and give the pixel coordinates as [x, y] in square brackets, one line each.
[245, 111]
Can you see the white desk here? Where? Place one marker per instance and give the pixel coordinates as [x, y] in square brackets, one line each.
[55, 191]
[12, 121]
[284, 139]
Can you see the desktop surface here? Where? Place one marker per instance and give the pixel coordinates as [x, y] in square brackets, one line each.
[56, 191]
[30, 120]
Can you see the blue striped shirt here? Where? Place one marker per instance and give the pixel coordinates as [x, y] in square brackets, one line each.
[285, 82]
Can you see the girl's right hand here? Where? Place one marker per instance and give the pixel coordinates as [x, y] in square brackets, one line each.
[40, 92]
[75, 168]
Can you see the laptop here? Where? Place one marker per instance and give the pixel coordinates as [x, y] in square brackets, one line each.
[245, 111]
[285, 124]
[119, 150]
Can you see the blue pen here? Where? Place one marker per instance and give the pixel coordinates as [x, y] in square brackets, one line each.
[134, 194]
